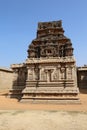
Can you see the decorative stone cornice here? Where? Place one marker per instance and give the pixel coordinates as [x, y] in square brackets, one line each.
[18, 65]
[50, 60]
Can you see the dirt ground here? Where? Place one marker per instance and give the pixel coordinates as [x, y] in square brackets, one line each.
[42, 120]
[12, 104]
[18, 116]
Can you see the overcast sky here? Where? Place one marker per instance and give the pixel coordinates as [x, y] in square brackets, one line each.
[18, 26]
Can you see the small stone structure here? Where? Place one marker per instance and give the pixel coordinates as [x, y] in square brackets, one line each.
[6, 78]
[19, 80]
[49, 73]
[82, 77]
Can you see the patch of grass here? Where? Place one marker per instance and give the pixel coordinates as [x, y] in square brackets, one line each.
[3, 112]
[17, 112]
[71, 113]
[53, 111]
[75, 113]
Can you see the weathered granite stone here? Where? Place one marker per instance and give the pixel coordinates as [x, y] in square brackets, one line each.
[6, 78]
[82, 77]
[49, 73]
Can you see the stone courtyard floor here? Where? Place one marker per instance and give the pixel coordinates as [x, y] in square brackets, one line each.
[18, 116]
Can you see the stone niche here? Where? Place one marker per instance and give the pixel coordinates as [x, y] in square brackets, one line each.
[50, 69]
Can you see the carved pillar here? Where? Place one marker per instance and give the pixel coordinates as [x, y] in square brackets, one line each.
[28, 73]
[74, 74]
[59, 72]
[66, 73]
[40, 71]
[69, 73]
[49, 74]
[30, 76]
[73, 71]
[40, 74]
[51, 71]
[43, 74]
[62, 72]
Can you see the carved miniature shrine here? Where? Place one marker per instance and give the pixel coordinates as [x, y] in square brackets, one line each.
[49, 73]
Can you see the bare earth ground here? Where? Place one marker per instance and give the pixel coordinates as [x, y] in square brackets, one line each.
[12, 104]
[42, 120]
[18, 116]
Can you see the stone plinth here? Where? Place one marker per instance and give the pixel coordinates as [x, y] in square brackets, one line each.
[51, 80]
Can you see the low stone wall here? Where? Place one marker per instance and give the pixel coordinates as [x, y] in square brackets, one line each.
[82, 77]
[6, 78]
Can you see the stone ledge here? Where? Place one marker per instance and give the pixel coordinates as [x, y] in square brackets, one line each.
[50, 60]
[63, 101]
[6, 69]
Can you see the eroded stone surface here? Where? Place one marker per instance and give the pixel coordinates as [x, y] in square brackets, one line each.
[49, 73]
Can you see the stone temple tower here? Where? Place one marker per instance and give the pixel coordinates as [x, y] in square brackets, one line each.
[50, 67]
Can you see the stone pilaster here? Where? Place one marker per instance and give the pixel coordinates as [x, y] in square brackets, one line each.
[31, 74]
[59, 75]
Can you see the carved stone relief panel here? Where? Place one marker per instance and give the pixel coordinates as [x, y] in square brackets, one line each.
[43, 52]
[69, 73]
[55, 75]
[30, 74]
[62, 71]
[48, 75]
[49, 70]
[43, 75]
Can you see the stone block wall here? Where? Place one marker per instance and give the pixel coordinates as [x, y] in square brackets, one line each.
[6, 78]
[82, 77]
